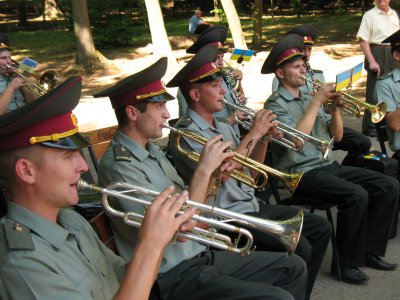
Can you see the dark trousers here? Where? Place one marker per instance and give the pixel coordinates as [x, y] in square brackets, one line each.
[366, 201]
[354, 143]
[383, 57]
[225, 275]
[313, 242]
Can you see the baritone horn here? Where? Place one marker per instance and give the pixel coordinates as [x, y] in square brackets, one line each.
[293, 139]
[287, 232]
[352, 105]
[45, 82]
[290, 180]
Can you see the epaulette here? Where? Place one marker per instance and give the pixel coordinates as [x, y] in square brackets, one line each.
[318, 71]
[18, 236]
[183, 122]
[385, 76]
[274, 96]
[122, 154]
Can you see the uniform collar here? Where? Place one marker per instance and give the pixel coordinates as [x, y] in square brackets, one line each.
[200, 122]
[136, 150]
[396, 74]
[289, 96]
[53, 233]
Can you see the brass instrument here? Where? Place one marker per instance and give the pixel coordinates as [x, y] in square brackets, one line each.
[352, 104]
[45, 82]
[294, 138]
[287, 232]
[290, 180]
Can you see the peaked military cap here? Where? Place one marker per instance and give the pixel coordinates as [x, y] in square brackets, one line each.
[201, 68]
[213, 35]
[394, 40]
[47, 121]
[307, 31]
[4, 42]
[201, 28]
[288, 49]
[144, 85]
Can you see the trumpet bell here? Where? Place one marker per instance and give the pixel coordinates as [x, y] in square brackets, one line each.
[48, 80]
[378, 112]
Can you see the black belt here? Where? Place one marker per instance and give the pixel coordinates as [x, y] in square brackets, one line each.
[379, 45]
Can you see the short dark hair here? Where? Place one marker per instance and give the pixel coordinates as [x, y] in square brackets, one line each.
[8, 158]
[186, 91]
[120, 113]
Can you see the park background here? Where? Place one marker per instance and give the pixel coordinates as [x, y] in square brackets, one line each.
[106, 40]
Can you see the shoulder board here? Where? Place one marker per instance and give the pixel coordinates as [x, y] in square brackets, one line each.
[18, 236]
[385, 76]
[274, 96]
[318, 71]
[183, 122]
[121, 153]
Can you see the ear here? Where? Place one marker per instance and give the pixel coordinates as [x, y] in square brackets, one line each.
[396, 55]
[195, 95]
[279, 73]
[25, 170]
[132, 112]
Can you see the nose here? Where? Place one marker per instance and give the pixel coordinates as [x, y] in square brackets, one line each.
[82, 165]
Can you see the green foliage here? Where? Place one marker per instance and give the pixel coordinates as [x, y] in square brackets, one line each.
[116, 34]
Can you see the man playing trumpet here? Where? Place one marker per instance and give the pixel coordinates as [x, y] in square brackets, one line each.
[366, 200]
[188, 270]
[48, 251]
[200, 82]
[13, 90]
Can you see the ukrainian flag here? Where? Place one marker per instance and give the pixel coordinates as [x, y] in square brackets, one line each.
[343, 80]
[357, 72]
[246, 54]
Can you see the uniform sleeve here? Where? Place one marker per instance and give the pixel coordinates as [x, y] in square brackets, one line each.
[281, 112]
[30, 277]
[384, 93]
[365, 30]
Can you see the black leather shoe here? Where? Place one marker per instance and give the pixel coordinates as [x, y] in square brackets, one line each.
[353, 275]
[375, 262]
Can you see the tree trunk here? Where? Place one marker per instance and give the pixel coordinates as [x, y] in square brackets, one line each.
[161, 45]
[272, 10]
[51, 10]
[22, 17]
[86, 51]
[234, 24]
[216, 11]
[257, 24]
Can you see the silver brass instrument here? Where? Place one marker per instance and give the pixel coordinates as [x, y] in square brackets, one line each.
[294, 138]
[290, 180]
[353, 105]
[287, 232]
[45, 82]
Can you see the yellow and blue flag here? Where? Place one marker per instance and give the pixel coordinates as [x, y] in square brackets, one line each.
[357, 72]
[241, 55]
[346, 78]
[343, 80]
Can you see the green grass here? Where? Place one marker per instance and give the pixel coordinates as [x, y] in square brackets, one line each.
[52, 45]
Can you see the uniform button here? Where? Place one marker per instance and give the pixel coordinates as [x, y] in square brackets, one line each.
[92, 293]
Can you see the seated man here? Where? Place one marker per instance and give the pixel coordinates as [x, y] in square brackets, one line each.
[365, 199]
[188, 270]
[200, 81]
[216, 35]
[195, 20]
[47, 252]
[387, 89]
[352, 141]
[13, 90]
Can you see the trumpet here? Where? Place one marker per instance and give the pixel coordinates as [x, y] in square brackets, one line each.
[290, 180]
[287, 232]
[45, 82]
[353, 105]
[295, 138]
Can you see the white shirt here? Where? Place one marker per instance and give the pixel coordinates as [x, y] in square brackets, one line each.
[376, 26]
